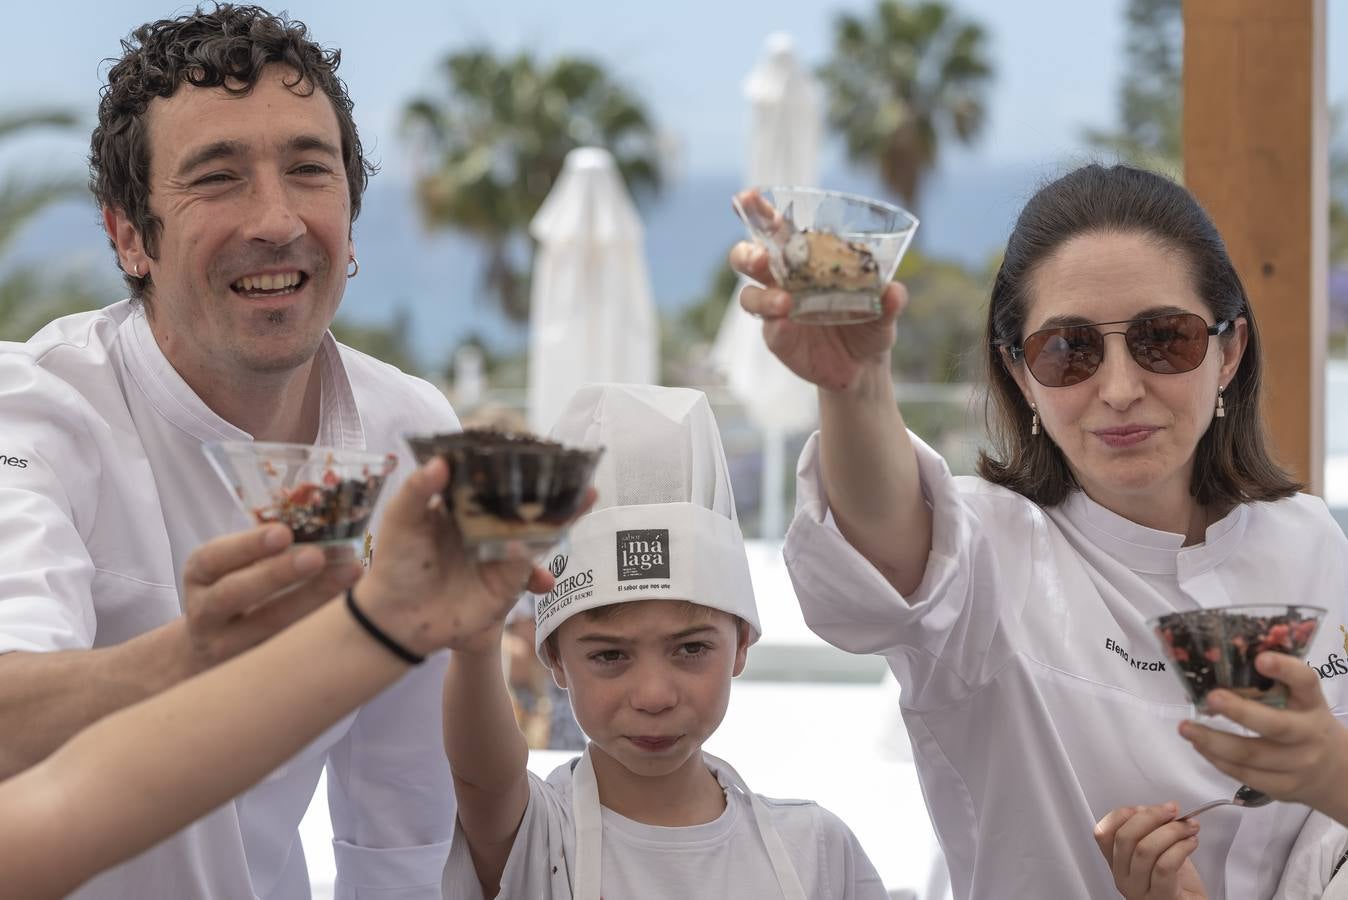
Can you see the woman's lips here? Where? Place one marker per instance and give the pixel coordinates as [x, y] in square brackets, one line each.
[653, 743]
[1127, 436]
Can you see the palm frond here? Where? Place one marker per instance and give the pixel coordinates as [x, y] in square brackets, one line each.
[495, 136]
[23, 198]
[901, 83]
[13, 122]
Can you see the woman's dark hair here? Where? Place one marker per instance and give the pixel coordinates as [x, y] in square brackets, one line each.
[1232, 463]
[225, 48]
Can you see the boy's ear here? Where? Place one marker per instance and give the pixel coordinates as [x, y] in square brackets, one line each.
[741, 647]
[558, 675]
[554, 664]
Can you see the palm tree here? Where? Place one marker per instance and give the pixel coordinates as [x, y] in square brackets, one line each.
[29, 295]
[491, 146]
[901, 82]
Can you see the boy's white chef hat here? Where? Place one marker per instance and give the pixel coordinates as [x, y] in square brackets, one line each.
[664, 524]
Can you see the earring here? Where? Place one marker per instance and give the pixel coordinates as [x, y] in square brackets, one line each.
[353, 267]
[1220, 412]
[135, 271]
[1034, 419]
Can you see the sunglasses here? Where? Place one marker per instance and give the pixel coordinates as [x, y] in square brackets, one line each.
[1069, 354]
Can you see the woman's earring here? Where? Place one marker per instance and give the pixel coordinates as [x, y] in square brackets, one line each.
[352, 267]
[1221, 404]
[1034, 417]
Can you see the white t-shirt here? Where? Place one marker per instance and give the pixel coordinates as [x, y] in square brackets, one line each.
[104, 492]
[724, 858]
[1037, 698]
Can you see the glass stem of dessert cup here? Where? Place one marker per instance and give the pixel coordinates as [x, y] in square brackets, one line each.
[497, 550]
[836, 308]
[342, 551]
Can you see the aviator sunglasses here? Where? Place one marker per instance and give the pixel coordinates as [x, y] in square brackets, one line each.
[1069, 354]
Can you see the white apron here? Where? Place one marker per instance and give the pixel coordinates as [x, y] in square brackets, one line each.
[590, 831]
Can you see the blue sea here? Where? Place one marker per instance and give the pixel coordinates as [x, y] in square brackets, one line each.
[436, 279]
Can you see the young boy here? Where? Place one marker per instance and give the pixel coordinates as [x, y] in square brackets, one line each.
[652, 615]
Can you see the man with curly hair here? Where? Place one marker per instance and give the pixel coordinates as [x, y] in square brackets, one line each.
[229, 172]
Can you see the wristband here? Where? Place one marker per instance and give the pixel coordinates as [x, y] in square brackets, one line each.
[393, 646]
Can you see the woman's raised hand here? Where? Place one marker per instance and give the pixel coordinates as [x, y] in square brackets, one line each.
[830, 356]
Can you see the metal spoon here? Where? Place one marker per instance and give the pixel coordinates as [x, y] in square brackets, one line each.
[1246, 796]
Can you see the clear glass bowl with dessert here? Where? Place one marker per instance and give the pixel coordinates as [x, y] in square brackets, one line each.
[511, 494]
[834, 252]
[325, 496]
[1216, 647]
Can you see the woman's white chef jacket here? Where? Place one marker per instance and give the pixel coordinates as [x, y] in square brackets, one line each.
[1036, 696]
[104, 492]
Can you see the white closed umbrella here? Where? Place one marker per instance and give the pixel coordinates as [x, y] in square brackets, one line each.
[592, 316]
[783, 150]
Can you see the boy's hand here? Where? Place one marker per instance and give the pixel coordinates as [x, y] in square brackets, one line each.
[424, 588]
[1149, 853]
[1301, 753]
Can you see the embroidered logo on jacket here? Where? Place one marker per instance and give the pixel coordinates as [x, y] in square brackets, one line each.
[1333, 664]
[1145, 665]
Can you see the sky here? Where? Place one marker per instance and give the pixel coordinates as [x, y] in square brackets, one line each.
[1058, 65]
[687, 59]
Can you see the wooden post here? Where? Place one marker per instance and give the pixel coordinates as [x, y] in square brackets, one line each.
[1256, 156]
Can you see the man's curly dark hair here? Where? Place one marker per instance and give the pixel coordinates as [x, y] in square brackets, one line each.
[226, 47]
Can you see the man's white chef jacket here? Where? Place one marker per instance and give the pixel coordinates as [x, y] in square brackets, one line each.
[104, 492]
[1037, 697]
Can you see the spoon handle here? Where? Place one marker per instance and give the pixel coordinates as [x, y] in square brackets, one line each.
[1204, 808]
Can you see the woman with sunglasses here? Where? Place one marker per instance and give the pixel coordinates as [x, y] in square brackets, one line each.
[1127, 476]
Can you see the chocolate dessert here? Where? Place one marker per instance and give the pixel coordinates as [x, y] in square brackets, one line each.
[509, 487]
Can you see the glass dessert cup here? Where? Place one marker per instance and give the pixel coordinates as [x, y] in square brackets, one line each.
[512, 495]
[1216, 648]
[325, 496]
[833, 252]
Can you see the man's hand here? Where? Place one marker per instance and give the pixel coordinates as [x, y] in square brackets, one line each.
[424, 588]
[240, 589]
[1300, 753]
[830, 356]
[1149, 853]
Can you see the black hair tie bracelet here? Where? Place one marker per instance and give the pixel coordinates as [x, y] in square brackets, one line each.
[393, 646]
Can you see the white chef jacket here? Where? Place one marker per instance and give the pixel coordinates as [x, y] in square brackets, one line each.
[1037, 698]
[1317, 851]
[724, 858]
[104, 492]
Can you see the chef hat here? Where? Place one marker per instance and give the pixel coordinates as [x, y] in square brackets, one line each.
[664, 525]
